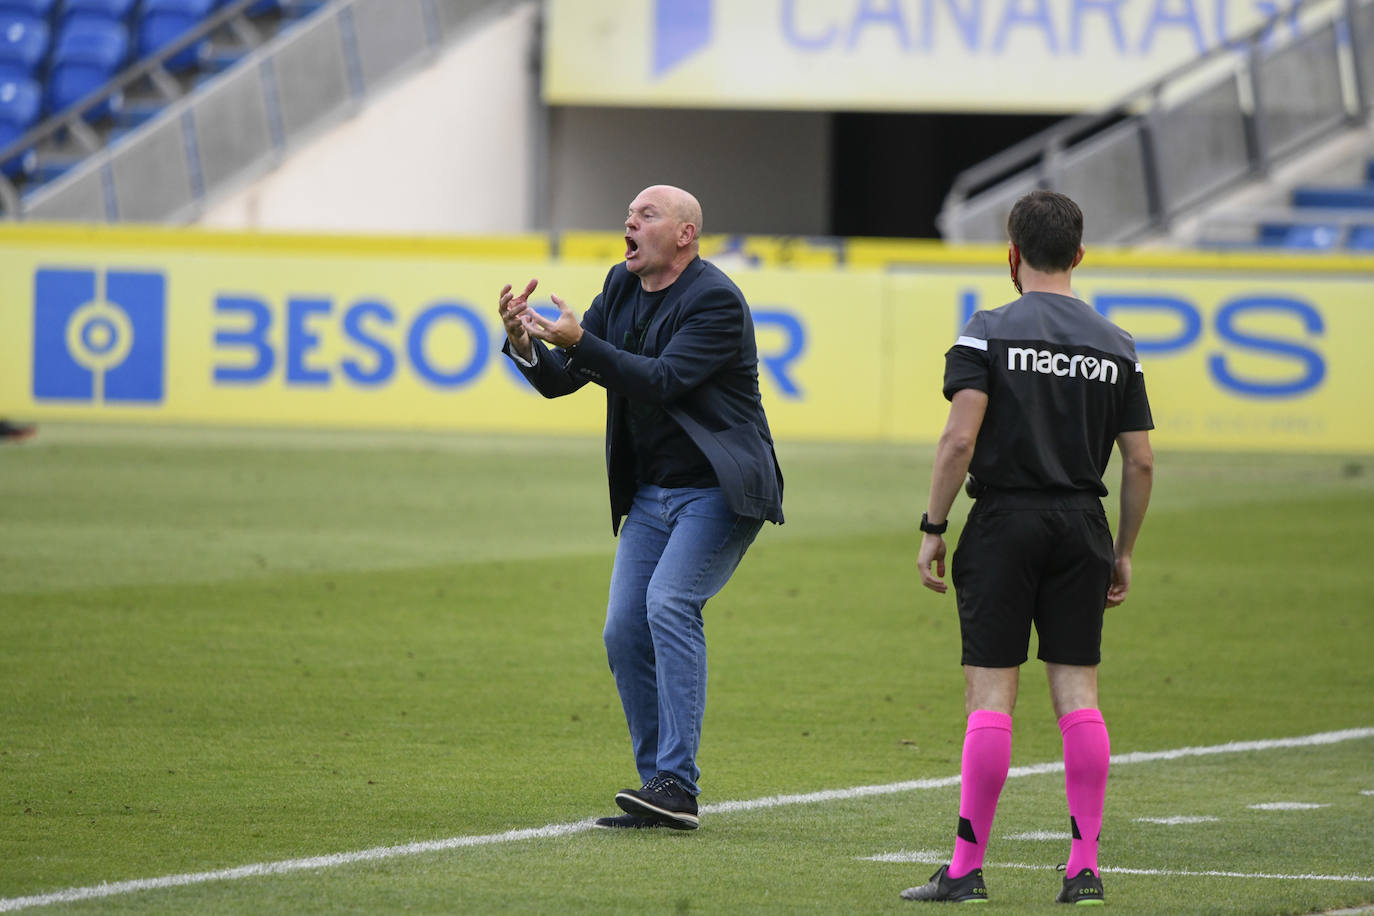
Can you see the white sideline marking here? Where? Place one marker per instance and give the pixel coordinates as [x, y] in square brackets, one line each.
[1040, 769]
[1177, 819]
[930, 857]
[1039, 835]
[910, 857]
[11, 904]
[289, 865]
[1286, 806]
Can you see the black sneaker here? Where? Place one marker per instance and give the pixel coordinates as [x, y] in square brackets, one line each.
[968, 889]
[629, 822]
[1083, 890]
[663, 798]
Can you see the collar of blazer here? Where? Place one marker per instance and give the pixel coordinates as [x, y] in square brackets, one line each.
[689, 275]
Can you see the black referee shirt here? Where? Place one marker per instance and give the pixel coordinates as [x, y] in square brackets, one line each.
[1062, 383]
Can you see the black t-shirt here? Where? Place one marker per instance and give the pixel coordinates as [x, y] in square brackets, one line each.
[1062, 383]
[664, 454]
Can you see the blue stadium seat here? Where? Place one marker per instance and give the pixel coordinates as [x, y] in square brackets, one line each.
[1338, 198]
[160, 22]
[38, 9]
[24, 43]
[21, 105]
[108, 10]
[1311, 236]
[1361, 238]
[88, 54]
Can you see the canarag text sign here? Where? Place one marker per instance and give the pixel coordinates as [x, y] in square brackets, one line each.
[905, 55]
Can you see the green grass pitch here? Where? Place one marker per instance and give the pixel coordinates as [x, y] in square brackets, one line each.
[227, 648]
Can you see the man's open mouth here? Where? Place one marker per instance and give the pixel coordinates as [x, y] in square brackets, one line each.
[631, 247]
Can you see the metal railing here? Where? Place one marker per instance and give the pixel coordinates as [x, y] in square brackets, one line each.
[243, 120]
[70, 129]
[1203, 128]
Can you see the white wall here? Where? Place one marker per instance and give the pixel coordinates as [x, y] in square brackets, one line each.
[448, 150]
[764, 172]
[462, 146]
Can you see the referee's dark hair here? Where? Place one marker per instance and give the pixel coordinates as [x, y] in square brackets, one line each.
[1048, 228]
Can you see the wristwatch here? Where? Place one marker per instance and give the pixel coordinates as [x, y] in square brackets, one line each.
[929, 528]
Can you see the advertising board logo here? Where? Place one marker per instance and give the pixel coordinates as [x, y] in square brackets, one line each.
[98, 336]
[448, 344]
[681, 29]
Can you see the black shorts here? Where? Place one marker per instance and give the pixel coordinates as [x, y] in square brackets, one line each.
[1039, 558]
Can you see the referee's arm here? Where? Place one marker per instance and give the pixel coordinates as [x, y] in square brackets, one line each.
[1137, 478]
[952, 456]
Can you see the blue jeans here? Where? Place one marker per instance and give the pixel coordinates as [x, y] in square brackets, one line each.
[678, 547]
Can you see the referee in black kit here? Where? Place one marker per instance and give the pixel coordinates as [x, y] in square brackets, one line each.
[1039, 390]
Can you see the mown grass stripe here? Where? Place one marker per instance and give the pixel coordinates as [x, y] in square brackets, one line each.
[72, 895]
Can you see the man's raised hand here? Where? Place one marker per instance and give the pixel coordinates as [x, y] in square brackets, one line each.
[513, 310]
[566, 331]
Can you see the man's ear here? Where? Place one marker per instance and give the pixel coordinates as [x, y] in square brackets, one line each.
[686, 235]
[1077, 259]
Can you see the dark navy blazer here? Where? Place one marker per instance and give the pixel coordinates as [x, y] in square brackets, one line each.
[698, 362]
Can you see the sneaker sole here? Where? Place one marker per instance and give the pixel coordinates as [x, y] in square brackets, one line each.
[610, 823]
[1089, 901]
[678, 820]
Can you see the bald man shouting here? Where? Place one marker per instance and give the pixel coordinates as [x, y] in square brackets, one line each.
[692, 471]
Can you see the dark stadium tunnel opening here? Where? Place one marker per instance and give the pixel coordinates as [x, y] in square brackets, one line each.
[890, 172]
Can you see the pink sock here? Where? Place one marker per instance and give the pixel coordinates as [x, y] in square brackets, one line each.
[1087, 753]
[987, 756]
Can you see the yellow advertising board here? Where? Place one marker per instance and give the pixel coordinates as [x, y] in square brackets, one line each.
[905, 55]
[163, 326]
[1239, 352]
[1235, 357]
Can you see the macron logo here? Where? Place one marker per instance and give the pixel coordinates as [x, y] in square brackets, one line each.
[1028, 359]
